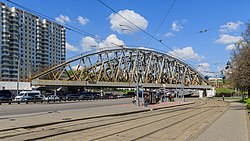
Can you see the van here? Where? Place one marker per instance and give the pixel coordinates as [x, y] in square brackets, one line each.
[5, 96]
[29, 96]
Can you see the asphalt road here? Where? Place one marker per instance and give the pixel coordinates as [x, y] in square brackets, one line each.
[31, 108]
[177, 123]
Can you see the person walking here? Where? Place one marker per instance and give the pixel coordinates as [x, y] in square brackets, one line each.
[146, 100]
[133, 99]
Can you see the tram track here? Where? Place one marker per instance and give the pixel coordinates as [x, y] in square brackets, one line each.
[4, 134]
[123, 122]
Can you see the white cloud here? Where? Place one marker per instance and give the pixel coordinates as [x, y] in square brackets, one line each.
[219, 68]
[230, 26]
[228, 39]
[186, 53]
[231, 47]
[71, 47]
[87, 43]
[63, 19]
[110, 41]
[204, 68]
[75, 67]
[82, 20]
[177, 26]
[169, 34]
[116, 21]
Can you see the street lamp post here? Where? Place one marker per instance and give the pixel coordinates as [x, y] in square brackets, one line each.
[183, 85]
[137, 54]
[176, 93]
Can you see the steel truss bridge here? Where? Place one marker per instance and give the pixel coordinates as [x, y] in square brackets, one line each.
[116, 67]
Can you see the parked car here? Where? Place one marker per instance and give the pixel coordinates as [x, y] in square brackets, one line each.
[95, 95]
[109, 96]
[51, 98]
[89, 95]
[85, 96]
[120, 96]
[5, 96]
[72, 97]
[26, 96]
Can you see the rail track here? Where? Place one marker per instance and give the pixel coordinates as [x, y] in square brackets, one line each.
[177, 123]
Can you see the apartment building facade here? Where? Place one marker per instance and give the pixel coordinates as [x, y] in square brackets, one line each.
[28, 44]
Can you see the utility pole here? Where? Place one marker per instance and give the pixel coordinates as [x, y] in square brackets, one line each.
[136, 65]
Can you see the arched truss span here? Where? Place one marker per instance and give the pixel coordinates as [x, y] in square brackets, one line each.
[119, 65]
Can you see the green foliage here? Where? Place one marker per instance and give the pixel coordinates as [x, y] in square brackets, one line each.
[247, 101]
[224, 90]
[240, 76]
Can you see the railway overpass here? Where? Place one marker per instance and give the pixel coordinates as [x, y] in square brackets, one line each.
[117, 66]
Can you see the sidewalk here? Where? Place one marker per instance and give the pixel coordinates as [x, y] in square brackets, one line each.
[231, 126]
[42, 118]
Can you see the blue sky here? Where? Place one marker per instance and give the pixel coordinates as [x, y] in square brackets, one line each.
[206, 51]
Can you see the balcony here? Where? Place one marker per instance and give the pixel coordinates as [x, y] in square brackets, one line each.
[14, 46]
[14, 51]
[13, 77]
[5, 77]
[5, 73]
[14, 24]
[14, 40]
[4, 55]
[5, 65]
[6, 58]
[4, 32]
[5, 49]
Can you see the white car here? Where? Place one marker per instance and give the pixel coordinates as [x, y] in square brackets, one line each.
[51, 98]
[29, 96]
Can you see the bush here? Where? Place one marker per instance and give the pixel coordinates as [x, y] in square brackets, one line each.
[224, 91]
[247, 102]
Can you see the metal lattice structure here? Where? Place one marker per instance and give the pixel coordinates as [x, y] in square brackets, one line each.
[120, 64]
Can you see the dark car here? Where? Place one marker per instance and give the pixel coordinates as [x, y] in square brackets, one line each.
[85, 96]
[89, 95]
[96, 95]
[72, 97]
[5, 96]
[109, 96]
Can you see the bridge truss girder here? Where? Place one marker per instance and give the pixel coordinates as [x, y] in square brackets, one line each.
[121, 64]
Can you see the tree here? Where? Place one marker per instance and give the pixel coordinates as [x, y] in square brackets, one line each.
[240, 75]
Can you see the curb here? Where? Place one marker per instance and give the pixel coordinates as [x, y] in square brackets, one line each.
[100, 116]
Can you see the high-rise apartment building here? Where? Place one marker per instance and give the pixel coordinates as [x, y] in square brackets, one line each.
[28, 43]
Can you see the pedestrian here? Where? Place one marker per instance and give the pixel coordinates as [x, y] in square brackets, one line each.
[162, 98]
[157, 96]
[170, 97]
[146, 100]
[133, 99]
[223, 97]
